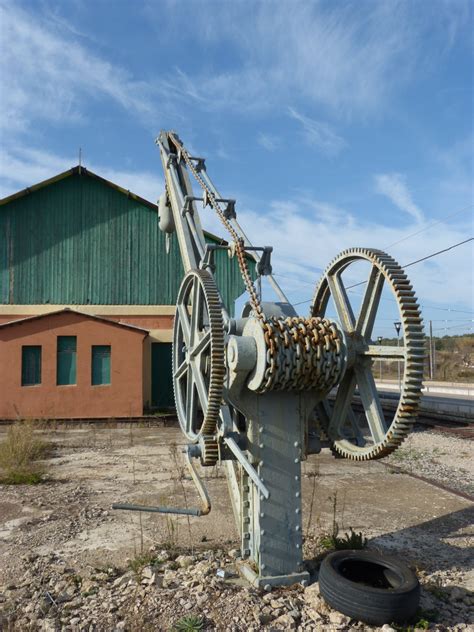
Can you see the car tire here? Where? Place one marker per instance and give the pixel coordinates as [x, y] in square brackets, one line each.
[369, 587]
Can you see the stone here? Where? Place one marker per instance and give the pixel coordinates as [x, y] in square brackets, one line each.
[387, 628]
[185, 561]
[147, 572]
[457, 594]
[284, 622]
[338, 618]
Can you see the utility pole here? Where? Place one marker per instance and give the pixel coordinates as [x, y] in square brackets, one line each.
[398, 326]
[379, 340]
[431, 351]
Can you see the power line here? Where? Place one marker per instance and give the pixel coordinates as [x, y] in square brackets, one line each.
[440, 221]
[407, 265]
[469, 322]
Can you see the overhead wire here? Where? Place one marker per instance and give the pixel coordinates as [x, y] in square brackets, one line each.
[407, 265]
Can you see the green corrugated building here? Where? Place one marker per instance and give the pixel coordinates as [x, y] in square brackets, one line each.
[80, 242]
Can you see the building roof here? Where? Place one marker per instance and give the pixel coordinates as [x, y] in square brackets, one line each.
[68, 310]
[82, 171]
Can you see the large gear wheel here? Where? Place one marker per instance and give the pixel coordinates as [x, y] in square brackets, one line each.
[198, 357]
[346, 433]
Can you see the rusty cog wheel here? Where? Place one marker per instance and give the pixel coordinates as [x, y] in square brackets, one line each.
[344, 428]
[198, 357]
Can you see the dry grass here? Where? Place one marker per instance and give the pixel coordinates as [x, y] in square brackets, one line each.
[20, 453]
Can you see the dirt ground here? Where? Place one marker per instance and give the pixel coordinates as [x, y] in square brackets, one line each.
[68, 520]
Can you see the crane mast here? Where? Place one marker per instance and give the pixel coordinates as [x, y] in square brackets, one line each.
[261, 392]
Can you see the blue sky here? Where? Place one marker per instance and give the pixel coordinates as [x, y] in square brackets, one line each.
[334, 124]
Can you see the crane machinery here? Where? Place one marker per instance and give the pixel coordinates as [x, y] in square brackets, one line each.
[262, 391]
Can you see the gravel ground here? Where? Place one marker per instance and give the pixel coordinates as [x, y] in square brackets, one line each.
[67, 562]
[439, 457]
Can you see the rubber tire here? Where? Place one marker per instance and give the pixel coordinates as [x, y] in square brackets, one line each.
[397, 603]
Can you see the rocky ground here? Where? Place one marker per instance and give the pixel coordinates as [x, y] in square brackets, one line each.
[442, 458]
[68, 562]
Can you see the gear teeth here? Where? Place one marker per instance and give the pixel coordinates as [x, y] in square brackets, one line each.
[215, 387]
[413, 335]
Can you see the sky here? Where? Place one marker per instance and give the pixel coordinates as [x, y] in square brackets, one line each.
[335, 124]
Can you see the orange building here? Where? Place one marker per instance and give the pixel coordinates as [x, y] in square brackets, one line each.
[87, 297]
[68, 364]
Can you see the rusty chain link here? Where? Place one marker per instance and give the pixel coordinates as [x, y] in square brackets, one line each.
[302, 353]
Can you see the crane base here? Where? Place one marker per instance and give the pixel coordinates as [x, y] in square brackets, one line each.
[273, 580]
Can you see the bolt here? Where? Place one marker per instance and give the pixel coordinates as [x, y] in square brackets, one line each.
[304, 583]
[297, 444]
[262, 532]
[260, 445]
[297, 494]
[263, 567]
[267, 588]
[297, 460]
[297, 511]
[297, 478]
[262, 515]
[297, 528]
[298, 546]
[261, 428]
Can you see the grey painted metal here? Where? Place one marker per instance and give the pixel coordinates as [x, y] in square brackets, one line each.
[279, 370]
[247, 241]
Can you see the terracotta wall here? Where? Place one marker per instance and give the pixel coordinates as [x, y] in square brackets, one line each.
[122, 398]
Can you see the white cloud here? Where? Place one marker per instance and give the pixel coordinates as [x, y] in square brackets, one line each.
[394, 187]
[346, 56]
[307, 234]
[27, 166]
[269, 142]
[47, 76]
[318, 134]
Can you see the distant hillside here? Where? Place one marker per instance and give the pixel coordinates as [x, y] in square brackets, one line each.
[454, 359]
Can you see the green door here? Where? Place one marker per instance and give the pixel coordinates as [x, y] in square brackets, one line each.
[161, 382]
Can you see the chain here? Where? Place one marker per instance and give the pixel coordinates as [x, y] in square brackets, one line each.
[302, 353]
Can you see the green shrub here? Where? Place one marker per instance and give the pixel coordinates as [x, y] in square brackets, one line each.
[191, 623]
[19, 455]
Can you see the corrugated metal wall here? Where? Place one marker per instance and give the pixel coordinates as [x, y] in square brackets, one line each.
[79, 241]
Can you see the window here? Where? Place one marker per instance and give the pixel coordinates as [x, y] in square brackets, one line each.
[30, 365]
[66, 360]
[100, 365]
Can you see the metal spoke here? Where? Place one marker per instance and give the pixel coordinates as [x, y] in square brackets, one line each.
[184, 322]
[202, 345]
[181, 370]
[359, 437]
[341, 301]
[370, 303]
[385, 351]
[190, 401]
[342, 404]
[371, 402]
[196, 308]
[200, 385]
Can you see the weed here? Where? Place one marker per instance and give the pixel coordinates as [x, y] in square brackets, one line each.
[140, 561]
[351, 540]
[191, 623]
[313, 475]
[422, 621]
[436, 588]
[19, 455]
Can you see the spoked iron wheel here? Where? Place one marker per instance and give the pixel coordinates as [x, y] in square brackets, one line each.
[198, 358]
[370, 435]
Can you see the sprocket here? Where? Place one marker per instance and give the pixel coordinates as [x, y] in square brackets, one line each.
[198, 356]
[339, 420]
